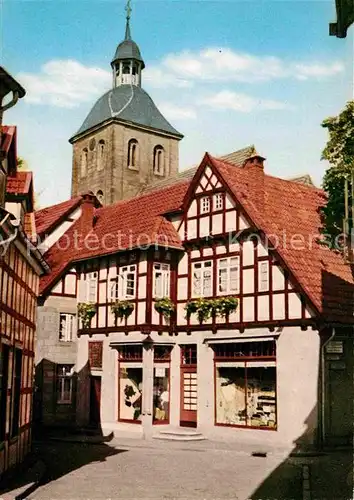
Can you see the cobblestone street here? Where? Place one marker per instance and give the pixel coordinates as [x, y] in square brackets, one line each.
[134, 469]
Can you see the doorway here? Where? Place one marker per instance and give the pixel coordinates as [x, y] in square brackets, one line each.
[95, 401]
[189, 386]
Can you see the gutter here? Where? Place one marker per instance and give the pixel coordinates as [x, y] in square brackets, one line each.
[323, 426]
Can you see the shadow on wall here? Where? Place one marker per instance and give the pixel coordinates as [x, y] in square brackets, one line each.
[307, 473]
[61, 446]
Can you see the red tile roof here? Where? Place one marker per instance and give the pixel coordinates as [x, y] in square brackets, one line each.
[283, 210]
[124, 225]
[20, 183]
[49, 217]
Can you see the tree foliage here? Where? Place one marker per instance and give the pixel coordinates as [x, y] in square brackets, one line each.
[339, 152]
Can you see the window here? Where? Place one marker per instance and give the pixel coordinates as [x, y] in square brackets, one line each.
[65, 383]
[159, 160]
[204, 205]
[161, 280]
[124, 286]
[218, 201]
[91, 290]
[228, 275]
[4, 374]
[202, 279]
[130, 382]
[100, 154]
[133, 154]
[67, 323]
[84, 157]
[246, 384]
[263, 283]
[15, 420]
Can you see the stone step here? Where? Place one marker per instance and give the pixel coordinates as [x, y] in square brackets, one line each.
[179, 435]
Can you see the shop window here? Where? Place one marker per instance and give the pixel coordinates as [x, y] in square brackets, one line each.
[15, 420]
[159, 160]
[218, 201]
[263, 284]
[204, 205]
[133, 154]
[161, 280]
[95, 354]
[67, 323]
[228, 275]
[65, 383]
[124, 286]
[246, 388]
[202, 279]
[4, 373]
[130, 383]
[161, 393]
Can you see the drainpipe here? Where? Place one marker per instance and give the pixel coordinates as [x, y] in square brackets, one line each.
[323, 427]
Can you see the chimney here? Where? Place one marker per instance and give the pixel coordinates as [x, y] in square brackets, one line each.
[254, 165]
[88, 204]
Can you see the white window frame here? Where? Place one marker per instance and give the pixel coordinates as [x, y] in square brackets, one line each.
[204, 204]
[228, 266]
[91, 287]
[218, 201]
[159, 161]
[201, 268]
[67, 374]
[66, 330]
[161, 288]
[263, 276]
[119, 285]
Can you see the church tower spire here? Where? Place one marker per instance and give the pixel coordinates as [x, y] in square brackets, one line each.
[127, 63]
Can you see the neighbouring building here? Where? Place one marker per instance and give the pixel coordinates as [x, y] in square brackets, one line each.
[125, 142]
[21, 264]
[278, 369]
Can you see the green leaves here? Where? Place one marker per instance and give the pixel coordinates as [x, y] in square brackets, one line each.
[165, 306]
[206, 308]
[86, 311]
[122, 308]
[339, 152]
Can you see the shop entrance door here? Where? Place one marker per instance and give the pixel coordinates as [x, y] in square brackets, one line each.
[95, 401]
[189, 386]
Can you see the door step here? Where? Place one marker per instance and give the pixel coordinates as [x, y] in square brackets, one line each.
[179, 435]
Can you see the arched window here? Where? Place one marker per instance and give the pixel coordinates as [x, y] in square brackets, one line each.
[100, 154]
[159, 160]
[99, 196]
[133, 154]
[84, 156]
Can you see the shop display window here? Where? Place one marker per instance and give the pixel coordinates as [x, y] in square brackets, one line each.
[130, 392]
[161, 394]
[245, 389]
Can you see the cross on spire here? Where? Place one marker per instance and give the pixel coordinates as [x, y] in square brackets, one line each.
[128, 10]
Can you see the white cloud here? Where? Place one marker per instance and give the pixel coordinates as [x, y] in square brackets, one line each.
[228, 100]
[158, 78]
[174, 112]
[226, 65]
[65, 83]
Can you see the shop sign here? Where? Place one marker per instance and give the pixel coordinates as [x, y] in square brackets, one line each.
[335, 347]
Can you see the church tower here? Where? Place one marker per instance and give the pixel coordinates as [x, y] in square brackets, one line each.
[124, 143]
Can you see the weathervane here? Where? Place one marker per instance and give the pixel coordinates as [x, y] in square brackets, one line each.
[128, 9]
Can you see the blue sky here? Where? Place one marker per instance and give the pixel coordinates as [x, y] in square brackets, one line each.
[225, 73]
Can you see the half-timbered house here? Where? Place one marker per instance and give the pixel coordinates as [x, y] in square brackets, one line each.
[21, 264]
[263, 367]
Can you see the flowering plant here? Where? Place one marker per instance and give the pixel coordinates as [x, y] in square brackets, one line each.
[86, 311]
[165, 306]
[122, 308]
[205, 308]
